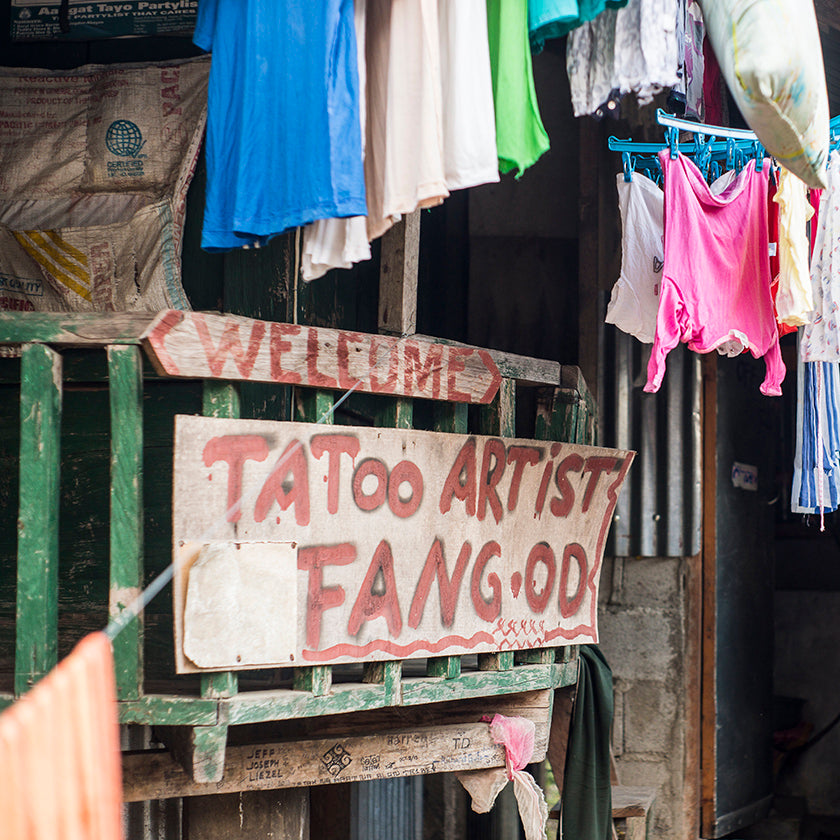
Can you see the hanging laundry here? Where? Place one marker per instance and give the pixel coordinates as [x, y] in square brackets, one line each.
[821, 338]
[283, 138]
[695, 35]
[773, 234]
[404, 166]
[339, 243]
[520, 136]
[794, 298]
[716, 279]
[816, 464]
[629, 50]
[635, 296]
[556, 18]
[60, 774]
[469, 123]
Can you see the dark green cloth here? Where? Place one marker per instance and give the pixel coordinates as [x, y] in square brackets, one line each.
[586, 809]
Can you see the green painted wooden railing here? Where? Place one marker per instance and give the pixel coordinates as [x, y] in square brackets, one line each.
[566, 412]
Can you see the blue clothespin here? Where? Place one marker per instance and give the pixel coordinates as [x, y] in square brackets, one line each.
[673, 142]
[716, 173]
[629, 163]
[731, 148]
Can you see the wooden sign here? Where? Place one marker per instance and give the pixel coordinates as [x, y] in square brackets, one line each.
[303, 544]
[195, 345]
[345, 757]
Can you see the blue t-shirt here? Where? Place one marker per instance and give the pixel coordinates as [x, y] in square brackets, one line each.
[284, 144]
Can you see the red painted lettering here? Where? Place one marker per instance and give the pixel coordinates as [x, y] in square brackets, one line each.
[235, 450]
[447, 587]
[569, 606]
[519, 456]
[490, 609]
[456, 365]
[414, 369]
[563, 505]
[335, 445]
[595, 466]
[314, 376]
[277, 489]
[405, 472]
[540, 553]
[460, 482]
[378, 595]
[390, 383]
[492, 468]
[374, 500]
[319, 597]
[230, 345]
[343, 351]
[169, 320]
[277, 345]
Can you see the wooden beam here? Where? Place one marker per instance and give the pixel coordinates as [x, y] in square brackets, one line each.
[36, 646]
[79, 330]
[399, 262]
[257, 815]
[125, 382]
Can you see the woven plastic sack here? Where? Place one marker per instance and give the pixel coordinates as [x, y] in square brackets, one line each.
[770, 55]
[94, 169]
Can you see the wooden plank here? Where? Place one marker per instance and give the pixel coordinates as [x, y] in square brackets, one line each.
[80, 330]
[314, 406]
[36, 626]
[202, 346]
[526, 370]
[369, 594]
[175, 710]
[399, 260]
[338, 758]
[125, 378]
[265, 706]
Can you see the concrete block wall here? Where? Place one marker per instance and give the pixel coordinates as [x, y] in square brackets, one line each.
[643, 621]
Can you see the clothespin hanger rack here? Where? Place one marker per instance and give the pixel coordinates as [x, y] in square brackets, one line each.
[713, 144]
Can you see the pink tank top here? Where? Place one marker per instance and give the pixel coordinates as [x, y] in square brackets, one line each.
[716, 279]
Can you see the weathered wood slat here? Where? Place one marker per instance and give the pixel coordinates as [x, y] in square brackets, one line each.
[264, 706]
[81, 329]
[343, 749]
[313, 406]
[399, 258]
[526, 370]
[36, 647]
[169, 709]
[410, 752]
[199, 346]
[126, 533]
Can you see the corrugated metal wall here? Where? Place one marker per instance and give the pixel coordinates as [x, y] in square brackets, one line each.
[659, 509]
[386, 809]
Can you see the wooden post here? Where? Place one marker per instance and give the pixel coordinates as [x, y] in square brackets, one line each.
[311, 406]
[125, 381]
[36, 647]
[251, 815]
[398, 277]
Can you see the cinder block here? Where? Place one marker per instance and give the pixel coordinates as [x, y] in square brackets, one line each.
[652, 718]
[640, 643]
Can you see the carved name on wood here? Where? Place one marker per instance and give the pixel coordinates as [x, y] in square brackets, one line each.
[303, 544]
[195, 345]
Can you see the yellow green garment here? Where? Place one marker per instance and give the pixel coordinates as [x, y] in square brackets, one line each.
[556, 18]
[521, 138]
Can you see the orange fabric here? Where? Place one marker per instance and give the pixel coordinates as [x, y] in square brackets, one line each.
[60, 774]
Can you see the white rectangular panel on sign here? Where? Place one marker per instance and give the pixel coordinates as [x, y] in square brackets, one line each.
[360, 544]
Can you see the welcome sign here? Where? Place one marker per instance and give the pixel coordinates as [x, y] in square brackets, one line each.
[304, 544]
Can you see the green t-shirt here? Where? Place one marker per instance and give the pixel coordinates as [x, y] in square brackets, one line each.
[520, 136]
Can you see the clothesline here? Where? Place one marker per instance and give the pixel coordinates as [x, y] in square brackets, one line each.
[119, 622]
